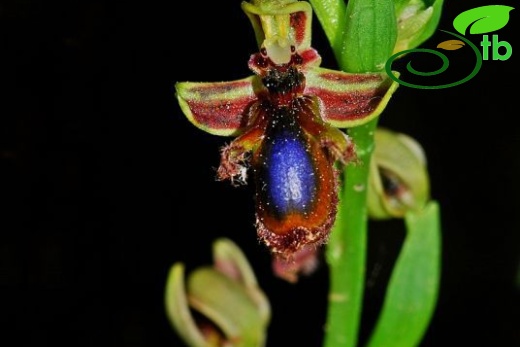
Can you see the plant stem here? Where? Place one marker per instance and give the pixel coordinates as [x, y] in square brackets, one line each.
[346, 251]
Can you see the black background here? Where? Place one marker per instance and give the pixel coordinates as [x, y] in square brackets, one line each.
[106, 184]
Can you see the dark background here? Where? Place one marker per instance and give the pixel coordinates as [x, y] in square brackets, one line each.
[106, 184]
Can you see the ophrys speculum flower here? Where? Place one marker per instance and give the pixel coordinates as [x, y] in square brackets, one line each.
[286, 117]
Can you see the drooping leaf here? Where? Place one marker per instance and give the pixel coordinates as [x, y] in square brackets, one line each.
[412, 291]
[483, 19]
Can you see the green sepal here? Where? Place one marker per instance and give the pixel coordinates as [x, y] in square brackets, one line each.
[231, 261]
[398, 179]
[226, 303]
[286, 20]
[417, 21]
[178, 311]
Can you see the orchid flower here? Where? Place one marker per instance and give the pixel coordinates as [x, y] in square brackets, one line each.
[286, 119]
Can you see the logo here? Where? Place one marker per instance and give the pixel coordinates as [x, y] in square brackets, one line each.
[480, 20]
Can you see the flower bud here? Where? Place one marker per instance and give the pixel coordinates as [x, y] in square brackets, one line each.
[417, 20]
[398, 179]
[232, 311]
[303, 262]
[369, 35]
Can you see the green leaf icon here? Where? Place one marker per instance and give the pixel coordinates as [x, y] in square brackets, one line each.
[484, 19]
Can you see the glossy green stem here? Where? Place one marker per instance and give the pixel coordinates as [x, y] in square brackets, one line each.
[346, 251]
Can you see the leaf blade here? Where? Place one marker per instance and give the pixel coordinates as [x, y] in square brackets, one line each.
[413, 287]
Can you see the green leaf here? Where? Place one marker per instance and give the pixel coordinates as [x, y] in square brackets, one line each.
[413, 287]
[484, 19]
[369, 36]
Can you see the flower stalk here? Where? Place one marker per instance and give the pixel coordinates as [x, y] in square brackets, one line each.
[346, 250]
[362, 41]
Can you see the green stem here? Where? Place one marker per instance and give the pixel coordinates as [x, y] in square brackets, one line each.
[346, 251]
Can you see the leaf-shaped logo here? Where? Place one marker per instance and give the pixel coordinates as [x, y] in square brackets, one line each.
[451, 45]
[484, 19]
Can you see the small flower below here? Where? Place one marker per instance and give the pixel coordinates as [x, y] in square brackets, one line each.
[398, 179]
[221, 305]
[304, 262]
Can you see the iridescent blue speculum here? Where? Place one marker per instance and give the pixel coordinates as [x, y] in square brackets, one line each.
[287, 172]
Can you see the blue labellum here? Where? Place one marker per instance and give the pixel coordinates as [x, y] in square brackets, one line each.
[290, 174]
